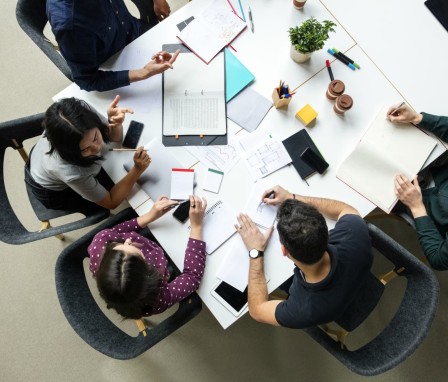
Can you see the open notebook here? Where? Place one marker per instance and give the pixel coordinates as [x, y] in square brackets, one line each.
[218, 226]
[386, 150]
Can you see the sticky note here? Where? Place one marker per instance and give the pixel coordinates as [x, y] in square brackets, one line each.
[213, 180]
[182, 181]
[306, 114]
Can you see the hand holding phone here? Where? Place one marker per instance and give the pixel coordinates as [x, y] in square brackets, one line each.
[133, 135]
[182, 212]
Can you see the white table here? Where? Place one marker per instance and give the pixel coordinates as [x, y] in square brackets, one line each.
[266, 54]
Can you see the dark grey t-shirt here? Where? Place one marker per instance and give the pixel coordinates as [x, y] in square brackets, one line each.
[54, 173]
[311, 304]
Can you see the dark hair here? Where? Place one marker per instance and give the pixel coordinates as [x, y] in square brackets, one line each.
[127, 283]
[302, 230]
[65, 124]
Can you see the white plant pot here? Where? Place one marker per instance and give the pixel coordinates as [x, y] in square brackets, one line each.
[299, 56]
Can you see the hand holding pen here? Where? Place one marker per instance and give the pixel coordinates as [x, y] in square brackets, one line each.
[403, 114]
[275, 195]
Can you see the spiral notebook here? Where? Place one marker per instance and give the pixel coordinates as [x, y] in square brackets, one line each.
[218, 227]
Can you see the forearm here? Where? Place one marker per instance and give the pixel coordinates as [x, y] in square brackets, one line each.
[434, 246]
[257, 287]
[121, 190]
[115, 133]
[437, 125]
[332, 209]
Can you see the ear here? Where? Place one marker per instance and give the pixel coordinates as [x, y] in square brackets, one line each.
[284, 250]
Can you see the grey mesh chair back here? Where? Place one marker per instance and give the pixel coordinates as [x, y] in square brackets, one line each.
[32, 18]
[12, 134]
[407, 329]
[86, 317]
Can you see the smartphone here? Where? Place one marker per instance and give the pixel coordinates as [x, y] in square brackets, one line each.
[183, 211]
[315, 161]
[233, 299]
[133, 135]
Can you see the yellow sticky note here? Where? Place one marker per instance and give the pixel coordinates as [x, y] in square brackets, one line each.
[306, 114]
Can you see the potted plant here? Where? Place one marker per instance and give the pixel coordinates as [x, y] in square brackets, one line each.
[309, 37]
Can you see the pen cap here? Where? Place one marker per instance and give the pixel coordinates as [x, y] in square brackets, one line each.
[335, 89]
[342, 104]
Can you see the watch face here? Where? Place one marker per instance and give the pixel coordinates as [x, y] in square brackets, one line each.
[254, 253]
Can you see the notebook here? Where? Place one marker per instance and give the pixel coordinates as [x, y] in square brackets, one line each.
[385, 150]
[237, 75]
[182, 180]
[296, 145]
[439, 8]
[218, 226]
[213, 29]
[194, 97]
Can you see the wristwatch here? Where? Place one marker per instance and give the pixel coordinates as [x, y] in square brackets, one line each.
[255, 253]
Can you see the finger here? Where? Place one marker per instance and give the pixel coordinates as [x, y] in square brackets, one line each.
[126, 110]
[174, 56]
[240, 222]
[192, 202]
[266, 193]
[115, 101]
[269, 233]
[416, 183]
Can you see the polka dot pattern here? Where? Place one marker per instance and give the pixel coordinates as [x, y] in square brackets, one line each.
[171, 292]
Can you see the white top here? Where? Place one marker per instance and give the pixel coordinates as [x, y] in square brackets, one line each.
[54, 173]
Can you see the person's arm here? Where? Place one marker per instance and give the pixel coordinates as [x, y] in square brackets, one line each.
[115, 118]
[194, 262]
[435, 247]
[121, 190]
[160, 208]
[161, 9]
[79, 49]
[438, 125]
[332, 209]
[410, 195]
[260, 308]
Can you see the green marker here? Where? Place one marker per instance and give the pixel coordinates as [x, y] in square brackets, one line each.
[347, 58]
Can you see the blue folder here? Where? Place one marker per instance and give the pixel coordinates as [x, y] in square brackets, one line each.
[237, 75]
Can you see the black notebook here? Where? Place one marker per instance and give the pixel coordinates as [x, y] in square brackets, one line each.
[296, 144]
[439, 9]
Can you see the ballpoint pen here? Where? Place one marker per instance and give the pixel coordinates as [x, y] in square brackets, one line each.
[251, 20]
[397, 109]
[126, 150]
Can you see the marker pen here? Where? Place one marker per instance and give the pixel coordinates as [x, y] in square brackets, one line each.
[347, 58]
[330, 72]
[342, 59]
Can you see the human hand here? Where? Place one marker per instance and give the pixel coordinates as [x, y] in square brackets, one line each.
[280, 195]
[410, 194]
[160, 62]
[141, 159]
[251, 234]
[404, 115]
[115, 114]
[161, 9]
[197, 211]
[162, 205]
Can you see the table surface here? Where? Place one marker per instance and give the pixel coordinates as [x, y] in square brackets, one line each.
[371, 88]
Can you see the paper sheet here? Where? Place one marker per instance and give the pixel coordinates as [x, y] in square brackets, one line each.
[181, 183]
[213, 180]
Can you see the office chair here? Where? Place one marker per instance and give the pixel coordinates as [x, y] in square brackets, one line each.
[32, 18]
[407, 329]
[12, 134]
[86, 317]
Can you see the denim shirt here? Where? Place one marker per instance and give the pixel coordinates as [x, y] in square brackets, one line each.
[88, 32]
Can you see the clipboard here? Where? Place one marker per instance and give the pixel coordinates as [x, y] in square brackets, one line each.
[190, 140]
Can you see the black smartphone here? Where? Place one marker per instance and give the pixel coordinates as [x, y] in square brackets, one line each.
[315, 161]
[133, 135]
[183, 211]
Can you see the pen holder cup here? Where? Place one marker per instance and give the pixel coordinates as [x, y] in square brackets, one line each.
[280, 103]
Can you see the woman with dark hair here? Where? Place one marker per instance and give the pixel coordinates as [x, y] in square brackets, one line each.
[131, 271]
[65, 171]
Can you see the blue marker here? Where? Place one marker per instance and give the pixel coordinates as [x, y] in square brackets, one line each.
[342, 59]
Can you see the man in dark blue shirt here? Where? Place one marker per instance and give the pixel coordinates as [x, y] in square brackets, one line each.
[88, 32]
[330, 266]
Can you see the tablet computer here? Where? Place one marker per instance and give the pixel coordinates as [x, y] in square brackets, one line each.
[233, 299]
